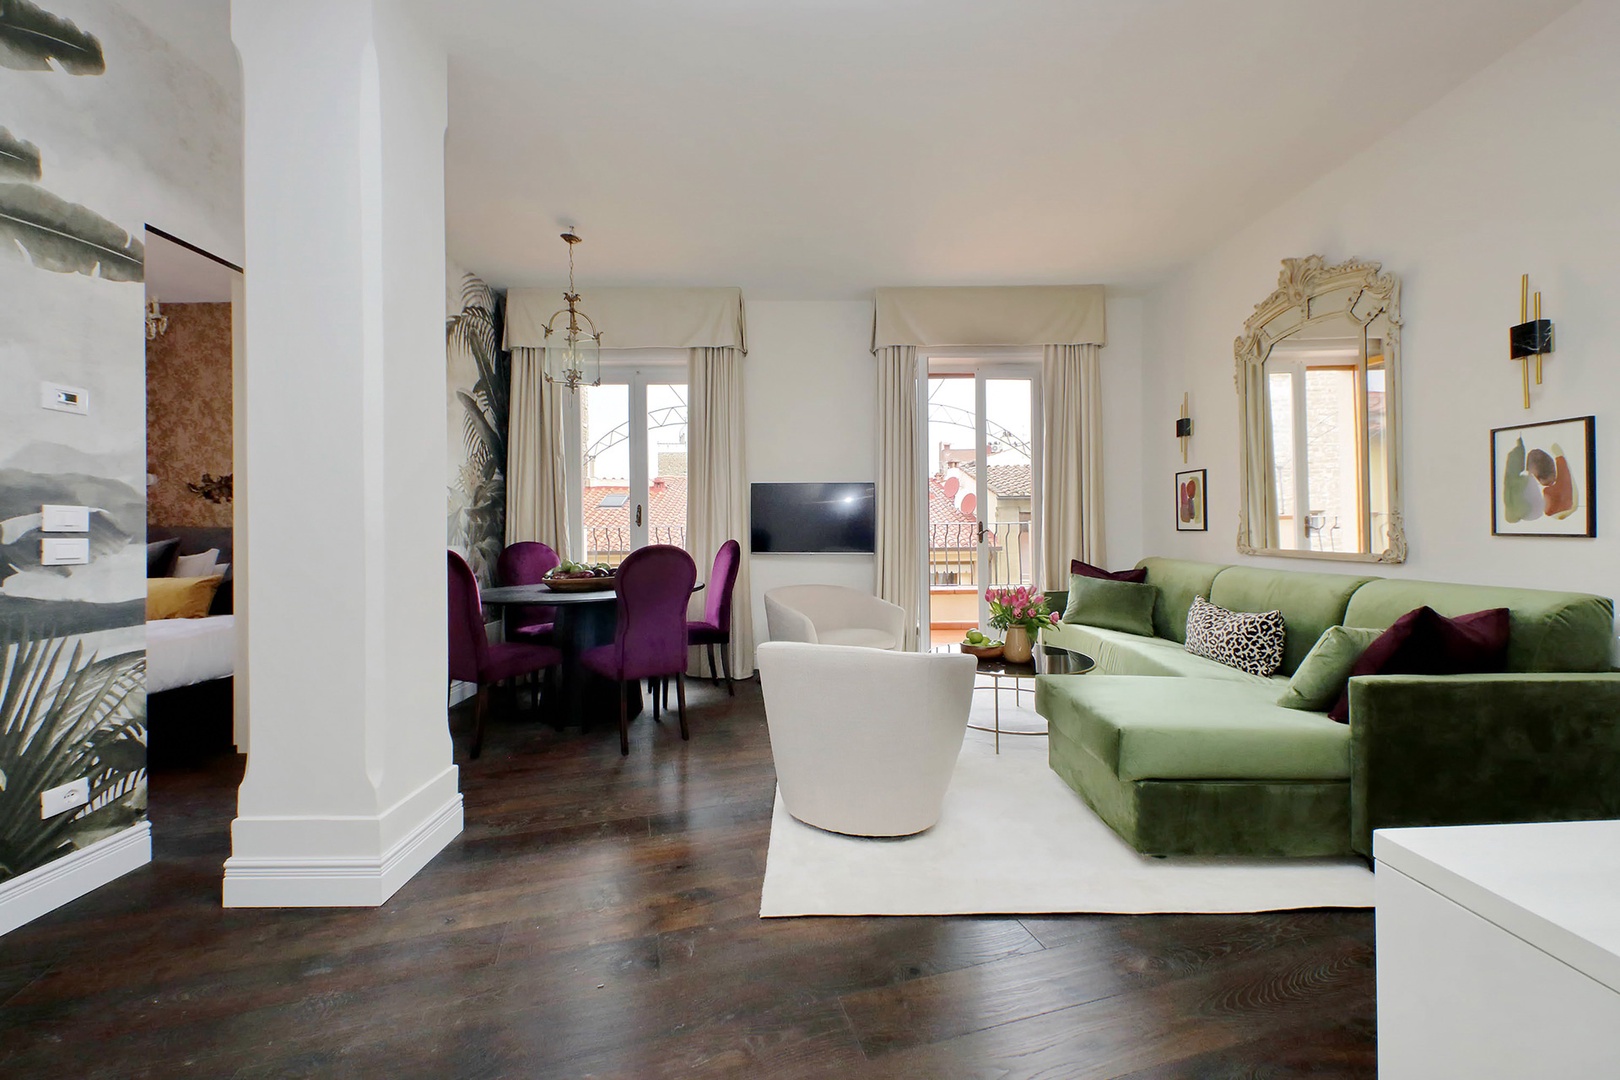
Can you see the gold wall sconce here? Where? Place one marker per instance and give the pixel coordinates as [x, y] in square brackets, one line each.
[1184, 428]
[1533, 337]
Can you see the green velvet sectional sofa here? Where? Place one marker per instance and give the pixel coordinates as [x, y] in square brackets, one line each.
[1184, 756]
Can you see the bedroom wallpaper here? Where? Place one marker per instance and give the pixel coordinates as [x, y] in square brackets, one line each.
[188, 415]
[102, 128]
[478, 375]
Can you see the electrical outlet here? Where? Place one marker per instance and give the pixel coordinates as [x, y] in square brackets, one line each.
[59, 800]
[68, 399]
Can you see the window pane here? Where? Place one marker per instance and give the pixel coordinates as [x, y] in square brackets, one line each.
[1333, 466]
[604, 413]
[1280, 385]
[953, 595]
[666, 464]
[1009, 480]
[1377, 450]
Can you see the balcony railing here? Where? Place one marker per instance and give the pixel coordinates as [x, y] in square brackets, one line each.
[953, 553]
[611, 543]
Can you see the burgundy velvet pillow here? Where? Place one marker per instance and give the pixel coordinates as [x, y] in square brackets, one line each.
[1085, 569]
[1425, 642]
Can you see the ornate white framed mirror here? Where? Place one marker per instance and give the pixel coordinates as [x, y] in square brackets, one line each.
[1318, 383]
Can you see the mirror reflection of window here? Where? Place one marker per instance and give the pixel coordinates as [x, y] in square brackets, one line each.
[1327, 440]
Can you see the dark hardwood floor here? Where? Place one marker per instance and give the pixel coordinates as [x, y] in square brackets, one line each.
[599, 918]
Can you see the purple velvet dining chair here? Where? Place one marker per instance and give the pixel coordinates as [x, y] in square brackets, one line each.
[526, 563]
[472, 658]
[715, 626]
[654, 584]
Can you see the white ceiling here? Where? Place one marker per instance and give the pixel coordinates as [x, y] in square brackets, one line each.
[178, 275]
[817, 148]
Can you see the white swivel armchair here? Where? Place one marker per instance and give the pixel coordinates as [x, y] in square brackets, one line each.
[865, 741]
[833, 615]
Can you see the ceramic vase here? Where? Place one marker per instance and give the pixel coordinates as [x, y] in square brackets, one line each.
[1018, 645]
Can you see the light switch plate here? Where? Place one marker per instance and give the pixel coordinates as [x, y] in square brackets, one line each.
[59, 800]
[64, 519]
[64, 550]
[69, 399]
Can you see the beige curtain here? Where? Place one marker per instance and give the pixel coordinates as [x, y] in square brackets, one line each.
[536, 466]
[717, 489]
[1259, 505]
[1071, 461]
[901, 527]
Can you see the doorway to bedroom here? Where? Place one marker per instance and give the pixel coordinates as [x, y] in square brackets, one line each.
[195, 681]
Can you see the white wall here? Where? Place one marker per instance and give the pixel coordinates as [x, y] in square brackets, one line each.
[1515, 171]
[812, 416]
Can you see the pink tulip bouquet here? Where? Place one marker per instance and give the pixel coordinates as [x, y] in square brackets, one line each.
[1019, 606]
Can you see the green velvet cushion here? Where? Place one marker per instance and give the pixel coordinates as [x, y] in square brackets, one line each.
[1132, 654]
[1310, 603]
[1149, 728]
[1550, 631]
[1112, 605]
[1178, 581]
[1320, 677]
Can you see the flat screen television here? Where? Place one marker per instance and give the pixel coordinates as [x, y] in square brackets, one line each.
[813, 517]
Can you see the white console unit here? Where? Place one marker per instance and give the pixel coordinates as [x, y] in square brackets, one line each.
[1499, 952]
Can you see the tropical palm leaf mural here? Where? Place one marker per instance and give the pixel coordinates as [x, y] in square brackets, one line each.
[31, 38]
[66, 237]
[65, 714]
[477, 522]
[19, 158]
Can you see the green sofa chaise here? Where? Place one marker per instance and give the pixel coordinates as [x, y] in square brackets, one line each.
[1184, 756]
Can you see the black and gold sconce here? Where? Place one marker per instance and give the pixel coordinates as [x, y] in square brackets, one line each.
[1184, 428]
[1532, 337]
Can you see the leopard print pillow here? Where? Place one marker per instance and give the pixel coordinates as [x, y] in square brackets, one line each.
[1248, 641]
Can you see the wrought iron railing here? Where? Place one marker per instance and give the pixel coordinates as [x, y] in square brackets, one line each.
[953, 553]
[611, 543]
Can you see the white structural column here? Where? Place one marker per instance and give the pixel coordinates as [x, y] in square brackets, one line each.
[350, 787]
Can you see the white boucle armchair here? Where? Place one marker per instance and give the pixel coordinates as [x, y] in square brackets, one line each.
[865, 740]
[833, 615]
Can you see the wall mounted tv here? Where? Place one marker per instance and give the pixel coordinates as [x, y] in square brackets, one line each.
[813, 517]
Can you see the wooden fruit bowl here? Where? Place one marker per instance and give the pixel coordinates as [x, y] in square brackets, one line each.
[984, 652]
[581, 584]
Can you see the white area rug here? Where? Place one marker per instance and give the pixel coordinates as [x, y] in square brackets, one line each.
[1013, 839]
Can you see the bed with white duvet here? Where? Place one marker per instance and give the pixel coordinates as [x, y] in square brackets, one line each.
[183, 652]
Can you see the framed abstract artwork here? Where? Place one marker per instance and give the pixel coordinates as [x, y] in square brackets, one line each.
[1190, 509]
[1542, 479]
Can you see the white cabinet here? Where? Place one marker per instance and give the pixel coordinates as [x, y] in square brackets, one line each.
[1499, 952]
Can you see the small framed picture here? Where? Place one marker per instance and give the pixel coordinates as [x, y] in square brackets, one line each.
[1190, 515]
[1542, 479]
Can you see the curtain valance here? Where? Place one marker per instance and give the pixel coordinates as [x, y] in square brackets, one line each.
[676, 318]
[990, 315]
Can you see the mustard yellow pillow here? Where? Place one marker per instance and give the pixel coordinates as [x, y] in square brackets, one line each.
[180, 597]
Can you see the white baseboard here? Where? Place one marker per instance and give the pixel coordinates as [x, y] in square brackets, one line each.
[340, 882]
[28, 896]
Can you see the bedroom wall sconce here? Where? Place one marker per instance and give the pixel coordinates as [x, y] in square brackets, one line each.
[1532, 337]
[1184, 428]
[216, 489]
[157, 323]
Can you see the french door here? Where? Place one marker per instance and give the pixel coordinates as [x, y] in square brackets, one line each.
[983, 460]
[627, 482]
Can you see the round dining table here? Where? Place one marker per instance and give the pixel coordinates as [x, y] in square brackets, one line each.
[584, 620]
